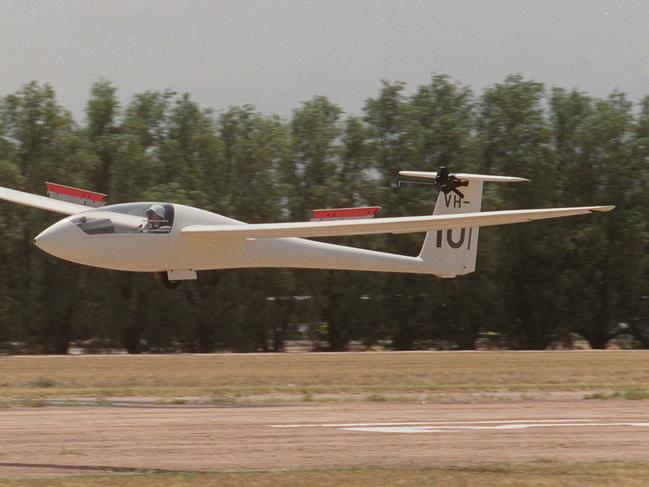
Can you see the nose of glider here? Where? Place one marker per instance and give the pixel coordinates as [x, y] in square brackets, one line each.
[54, 240]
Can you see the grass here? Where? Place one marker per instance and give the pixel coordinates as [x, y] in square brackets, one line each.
[314, 377]
[70, 451]
[537, 474]
[42, 382]
[631, 394]
[634, 394]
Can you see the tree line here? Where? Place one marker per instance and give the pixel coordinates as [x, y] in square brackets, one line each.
[536, 284]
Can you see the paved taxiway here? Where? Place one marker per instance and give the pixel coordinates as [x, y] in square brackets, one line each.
[64, 440]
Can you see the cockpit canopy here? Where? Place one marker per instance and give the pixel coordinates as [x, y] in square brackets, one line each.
[154, 218]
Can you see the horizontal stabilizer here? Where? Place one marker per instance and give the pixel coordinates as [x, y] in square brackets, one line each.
[408, 224]
[466, 177]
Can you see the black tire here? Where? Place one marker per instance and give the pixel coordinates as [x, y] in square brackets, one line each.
[169, 284]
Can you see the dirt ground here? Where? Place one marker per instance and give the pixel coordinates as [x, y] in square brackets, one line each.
[67, 440]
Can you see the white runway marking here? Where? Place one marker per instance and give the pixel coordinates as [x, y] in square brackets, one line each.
[450, 426]
[422, 423]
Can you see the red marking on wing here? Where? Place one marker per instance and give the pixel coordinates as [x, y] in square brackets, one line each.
[359, 212]
[75, 192]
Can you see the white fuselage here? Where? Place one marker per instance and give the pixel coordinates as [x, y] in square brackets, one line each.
[151, 252]
[180, 240]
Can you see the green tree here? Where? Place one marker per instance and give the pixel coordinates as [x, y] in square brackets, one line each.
[45, 145]
[601, 164]
[515, 140]
[102, 112]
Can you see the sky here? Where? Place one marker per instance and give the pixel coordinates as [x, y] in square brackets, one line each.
[275, 54]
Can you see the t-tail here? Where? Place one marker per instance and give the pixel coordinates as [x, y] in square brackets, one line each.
[453, 252]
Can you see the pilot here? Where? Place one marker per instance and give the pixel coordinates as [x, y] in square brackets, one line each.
[155, 220]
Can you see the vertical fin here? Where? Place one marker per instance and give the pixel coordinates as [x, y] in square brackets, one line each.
[450, 253]
[453, 252]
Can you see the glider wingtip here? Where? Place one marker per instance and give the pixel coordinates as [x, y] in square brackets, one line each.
[602, 209]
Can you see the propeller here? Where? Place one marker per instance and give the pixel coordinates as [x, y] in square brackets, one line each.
[445, 180]
[443, 176]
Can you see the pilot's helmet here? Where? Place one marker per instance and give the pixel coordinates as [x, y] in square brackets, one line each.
[156, 210]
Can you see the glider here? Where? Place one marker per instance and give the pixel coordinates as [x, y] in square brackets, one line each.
[174, 241]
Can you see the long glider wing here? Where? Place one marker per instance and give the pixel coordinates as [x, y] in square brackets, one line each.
[409, 224]
[36, 201]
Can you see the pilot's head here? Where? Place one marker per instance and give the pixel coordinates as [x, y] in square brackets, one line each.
[155, 216]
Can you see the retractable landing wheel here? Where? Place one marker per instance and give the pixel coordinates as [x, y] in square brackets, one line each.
[165, 280]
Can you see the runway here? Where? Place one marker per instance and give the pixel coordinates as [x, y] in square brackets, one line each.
[65, 440]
